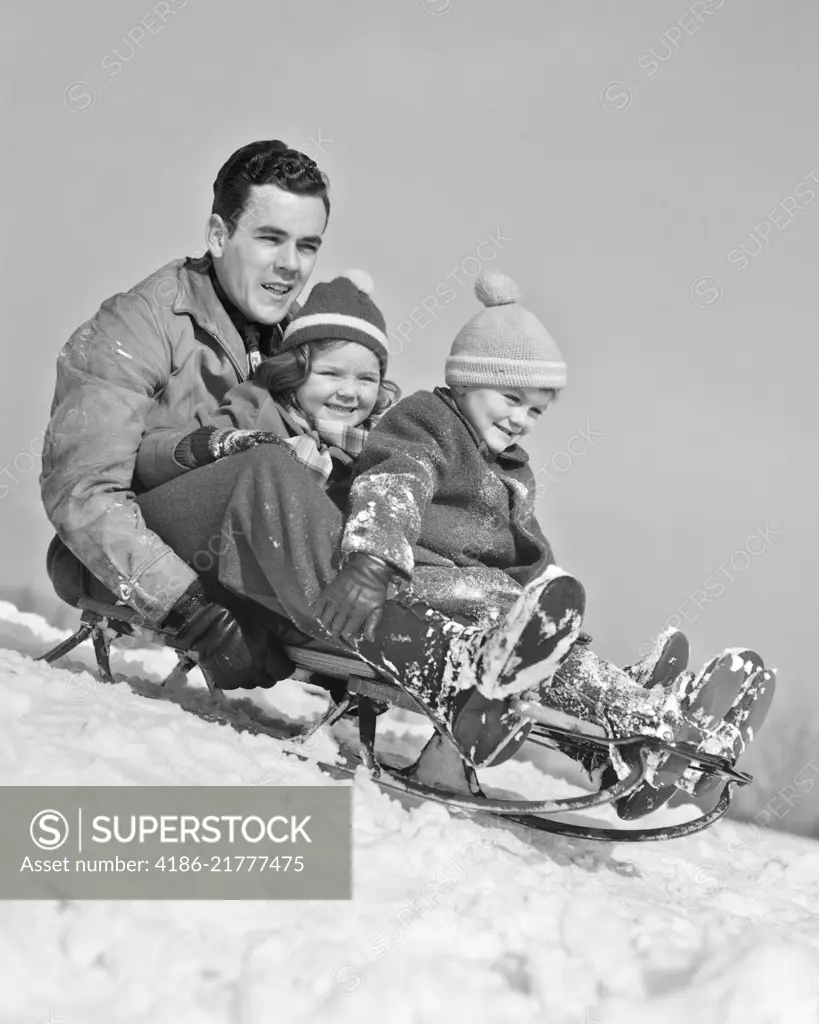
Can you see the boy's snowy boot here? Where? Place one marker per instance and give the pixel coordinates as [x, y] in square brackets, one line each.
[464, 676]
[722, 706]
[739, 726]
[689, 710]
[663, 664]
[665, 661]
[591, 689]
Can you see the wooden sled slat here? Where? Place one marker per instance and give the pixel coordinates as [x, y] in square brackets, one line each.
[328, 663]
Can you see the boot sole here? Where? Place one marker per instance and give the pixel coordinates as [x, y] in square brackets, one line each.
[712, 696]
[747, 716]
[671, 662]
[708, 696]
[488, 730]
[548, 623]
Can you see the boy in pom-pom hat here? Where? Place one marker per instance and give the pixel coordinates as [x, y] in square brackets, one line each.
[442, 506]
[443, 493]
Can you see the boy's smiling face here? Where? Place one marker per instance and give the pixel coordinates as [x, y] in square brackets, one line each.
[501, 416]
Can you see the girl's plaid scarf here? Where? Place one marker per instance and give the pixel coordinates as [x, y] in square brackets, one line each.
[314, 442]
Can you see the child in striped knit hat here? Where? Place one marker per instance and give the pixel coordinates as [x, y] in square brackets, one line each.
[443, 507]
[318, 395]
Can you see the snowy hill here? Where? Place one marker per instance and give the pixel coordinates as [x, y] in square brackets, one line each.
[452, 918]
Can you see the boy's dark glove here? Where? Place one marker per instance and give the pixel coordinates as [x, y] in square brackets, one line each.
[355, 597]
[214, 633]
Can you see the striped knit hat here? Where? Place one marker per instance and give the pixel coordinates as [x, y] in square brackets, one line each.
[338, 310]
[504, 345]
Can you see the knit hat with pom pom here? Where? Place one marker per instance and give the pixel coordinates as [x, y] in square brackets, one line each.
[340, 310]
[504, 345]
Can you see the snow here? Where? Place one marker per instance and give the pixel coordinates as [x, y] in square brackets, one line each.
[452, 919]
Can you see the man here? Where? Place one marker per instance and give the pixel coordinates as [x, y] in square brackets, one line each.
[162, 355]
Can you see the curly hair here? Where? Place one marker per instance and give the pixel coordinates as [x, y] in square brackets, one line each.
[265, 163]
[286, 371]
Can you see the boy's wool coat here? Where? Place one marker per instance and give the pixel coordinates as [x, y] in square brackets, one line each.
[430, 499]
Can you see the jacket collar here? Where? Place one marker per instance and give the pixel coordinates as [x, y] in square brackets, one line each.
[514, 456]
[198, 297]
[265, 337]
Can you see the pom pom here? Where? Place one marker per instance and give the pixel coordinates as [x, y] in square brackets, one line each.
[496, 289]
[361, 279]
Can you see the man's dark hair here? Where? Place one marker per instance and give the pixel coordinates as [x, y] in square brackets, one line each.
[265, 163]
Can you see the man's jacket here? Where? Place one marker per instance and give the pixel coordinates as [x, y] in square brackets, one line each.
[156, 359]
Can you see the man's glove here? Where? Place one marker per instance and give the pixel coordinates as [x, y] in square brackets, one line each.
[229, 442]
[355, 597]
[207, 444]
[215, 635]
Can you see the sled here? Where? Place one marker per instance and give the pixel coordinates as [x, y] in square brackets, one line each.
[366, 694]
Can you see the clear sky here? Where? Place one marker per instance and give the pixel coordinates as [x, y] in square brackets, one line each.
[648, 167]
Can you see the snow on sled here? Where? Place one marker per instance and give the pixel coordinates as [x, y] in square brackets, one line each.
[358, 690]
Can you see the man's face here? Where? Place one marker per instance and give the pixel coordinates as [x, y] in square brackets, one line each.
[264, 265]
[501, 417]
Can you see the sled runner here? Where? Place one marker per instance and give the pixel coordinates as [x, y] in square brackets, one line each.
[362, 692]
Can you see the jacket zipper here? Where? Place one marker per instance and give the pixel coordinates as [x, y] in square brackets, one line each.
[242, 374]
